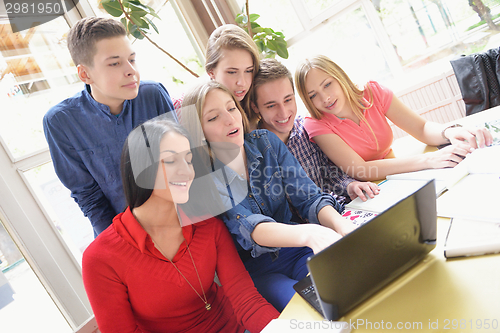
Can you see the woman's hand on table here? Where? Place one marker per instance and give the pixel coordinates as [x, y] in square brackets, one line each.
[448, 157]
[475, 137]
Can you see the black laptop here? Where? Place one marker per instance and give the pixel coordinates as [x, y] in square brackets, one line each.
[361, 263]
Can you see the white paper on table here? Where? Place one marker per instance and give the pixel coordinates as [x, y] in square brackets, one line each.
[391, 191]
[471, 238]
[475, 197]
[484, 160]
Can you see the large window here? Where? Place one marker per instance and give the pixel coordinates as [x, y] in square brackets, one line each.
[156, 65]
[37, 73]
[45, 232]
[40, 257]
[397, 42]
[22, 295]
[173, 38]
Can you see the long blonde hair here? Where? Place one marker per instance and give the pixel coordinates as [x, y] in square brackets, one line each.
[192, 119]
[231, 37]
[351, 91]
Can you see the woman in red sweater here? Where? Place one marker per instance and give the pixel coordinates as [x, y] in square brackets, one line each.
[153, 269]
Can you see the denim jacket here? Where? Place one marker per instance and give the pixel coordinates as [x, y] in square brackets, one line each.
[276, 179]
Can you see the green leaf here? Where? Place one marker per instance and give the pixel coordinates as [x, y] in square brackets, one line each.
[139, 22]
[131, 28]
[257, 29]
[112, 7]
[239, 19]
[123, 20]
[137, 3]
[271, 54]
[280, 42]
[282, 51]
[268, 53]
[137, 34]
[258, 39]
[261, 45]
[267, 40]
[134, 31]
[152, 24]
[153, 13]
[272, 45]
[253, 17]
[137, 11]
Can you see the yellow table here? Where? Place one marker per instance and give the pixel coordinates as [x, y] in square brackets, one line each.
[436, 295]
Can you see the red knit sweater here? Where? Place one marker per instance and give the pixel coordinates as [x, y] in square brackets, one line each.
[132, 287]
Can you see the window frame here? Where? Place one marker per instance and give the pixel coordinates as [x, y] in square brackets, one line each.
[310, 24]
[29, 224]
[31, 229]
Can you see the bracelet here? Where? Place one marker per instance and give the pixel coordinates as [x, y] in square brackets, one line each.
[451, 126]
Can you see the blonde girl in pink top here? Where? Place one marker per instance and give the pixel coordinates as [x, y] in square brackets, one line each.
[350, 125]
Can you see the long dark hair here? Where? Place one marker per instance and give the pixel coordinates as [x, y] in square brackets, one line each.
[139, 167]
[140, 158]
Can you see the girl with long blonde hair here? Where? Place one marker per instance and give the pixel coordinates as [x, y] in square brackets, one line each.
[351, 125]
[260, 182]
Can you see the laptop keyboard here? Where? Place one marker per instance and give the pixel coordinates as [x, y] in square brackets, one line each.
[310, 295]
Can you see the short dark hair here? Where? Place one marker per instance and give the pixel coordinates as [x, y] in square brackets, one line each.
[83, 36]
[269, 70]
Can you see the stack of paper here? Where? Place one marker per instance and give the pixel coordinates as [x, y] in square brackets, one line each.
[471, 238]
[477, 195]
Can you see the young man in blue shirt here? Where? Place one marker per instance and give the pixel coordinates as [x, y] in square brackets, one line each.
[273, 100]
[86, 132]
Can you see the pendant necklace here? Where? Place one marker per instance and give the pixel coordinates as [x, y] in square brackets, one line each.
[208, 306]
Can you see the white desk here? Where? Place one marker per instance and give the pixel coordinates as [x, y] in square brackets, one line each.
[436, 295]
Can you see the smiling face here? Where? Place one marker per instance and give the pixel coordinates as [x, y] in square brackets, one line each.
[175, 169]
[234, 70]
[221, 120]
[277, 107]
[326, 94]
[113, 77]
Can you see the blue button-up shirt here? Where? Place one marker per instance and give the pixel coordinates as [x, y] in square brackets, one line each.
[276, 180]
[86, 140]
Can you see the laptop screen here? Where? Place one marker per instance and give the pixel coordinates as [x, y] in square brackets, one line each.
[362, 262]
